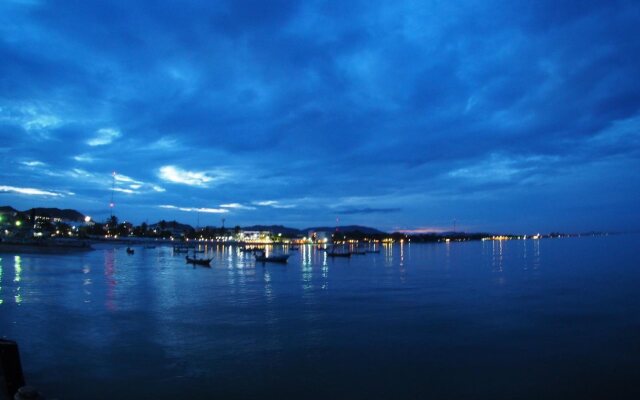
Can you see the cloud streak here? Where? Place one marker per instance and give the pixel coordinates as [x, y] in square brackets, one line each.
[103, 137]
[273, 203]
[173, 174]
[196, 209]
[29, 191]
[237, 206]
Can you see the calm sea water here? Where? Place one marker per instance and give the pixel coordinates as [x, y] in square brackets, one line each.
[497, 320]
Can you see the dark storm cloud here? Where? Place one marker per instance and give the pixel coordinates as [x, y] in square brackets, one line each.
[321, 106]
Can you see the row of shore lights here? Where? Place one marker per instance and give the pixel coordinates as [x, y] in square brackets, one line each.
[19, 223]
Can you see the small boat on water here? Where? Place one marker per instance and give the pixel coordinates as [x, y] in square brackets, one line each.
[334, 253]
[337, 252]
[130, 250]
[281, 258]
[198, 261]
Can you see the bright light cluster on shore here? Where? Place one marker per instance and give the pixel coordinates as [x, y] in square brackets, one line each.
[503, 237]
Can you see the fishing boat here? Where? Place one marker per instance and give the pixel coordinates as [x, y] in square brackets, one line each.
[338, 254]
[198, 261]
[262, 257]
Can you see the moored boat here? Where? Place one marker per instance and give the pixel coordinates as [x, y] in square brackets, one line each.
[338, 254]
[281, 258]
[198, 261]
[335, 252]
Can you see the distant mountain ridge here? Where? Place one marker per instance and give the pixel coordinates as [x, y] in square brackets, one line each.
[74, 215]
[64, 214]
[346, 229]
[274, 228]
[293, 231]
[174, 225]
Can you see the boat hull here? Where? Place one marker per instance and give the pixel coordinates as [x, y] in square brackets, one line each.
[199, 261]
[338, 254]
[273, 259]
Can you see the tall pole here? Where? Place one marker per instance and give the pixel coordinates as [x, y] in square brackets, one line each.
[113, 187]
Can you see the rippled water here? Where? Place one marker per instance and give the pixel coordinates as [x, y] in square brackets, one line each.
[502, 320]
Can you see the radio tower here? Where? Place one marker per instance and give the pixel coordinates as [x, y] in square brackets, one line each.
[113, 187]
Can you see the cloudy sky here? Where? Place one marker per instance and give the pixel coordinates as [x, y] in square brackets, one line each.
[517, 116]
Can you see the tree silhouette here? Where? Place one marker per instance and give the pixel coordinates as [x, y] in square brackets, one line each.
[112, 221]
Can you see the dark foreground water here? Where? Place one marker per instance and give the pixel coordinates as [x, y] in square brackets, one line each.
[492, 320]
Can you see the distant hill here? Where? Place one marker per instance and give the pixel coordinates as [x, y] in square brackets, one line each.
[275, 229]
[171, 225]
[66, 214]
[346, 229]
[293, 231]
[7, 210]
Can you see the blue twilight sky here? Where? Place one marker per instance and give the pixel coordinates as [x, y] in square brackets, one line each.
[518, 116]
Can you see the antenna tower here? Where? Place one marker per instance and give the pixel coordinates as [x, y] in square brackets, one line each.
[113, 187]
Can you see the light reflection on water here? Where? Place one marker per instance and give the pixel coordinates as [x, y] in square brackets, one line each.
[110, 281]
[366, 327]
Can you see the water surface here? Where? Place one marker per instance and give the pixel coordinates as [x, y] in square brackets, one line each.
[501, 320]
